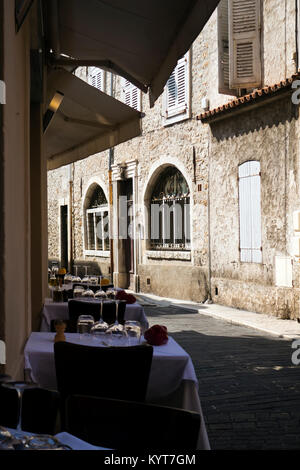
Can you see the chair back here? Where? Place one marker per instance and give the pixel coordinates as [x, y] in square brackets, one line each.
[39, 409]
[109, 311]
[114, 372]
[120, 424]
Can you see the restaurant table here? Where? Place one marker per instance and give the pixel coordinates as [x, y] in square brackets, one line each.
[60, 310]
[172, 380]
[64, 438]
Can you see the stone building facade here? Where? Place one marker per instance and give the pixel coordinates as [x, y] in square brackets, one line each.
[205, 143]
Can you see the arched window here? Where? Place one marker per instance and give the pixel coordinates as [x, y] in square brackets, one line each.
[170, 211]
[96, 221]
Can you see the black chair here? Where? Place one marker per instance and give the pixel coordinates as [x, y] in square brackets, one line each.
[109, 311]
[120, 424]
[114, 372]
[39, 409]
[84, 307]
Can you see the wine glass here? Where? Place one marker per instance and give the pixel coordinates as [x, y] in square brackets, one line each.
[78, 291]
[19, 387]
[100, 327]
[100, 294]
[116, 330]
[84, 325]
[133, 331]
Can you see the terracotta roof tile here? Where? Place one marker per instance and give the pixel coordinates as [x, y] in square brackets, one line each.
[251, 97]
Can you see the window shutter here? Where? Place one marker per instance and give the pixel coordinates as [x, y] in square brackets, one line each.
[244, 44]
[250, 212]
[298, 33]
[96, 78]
[131, 95]
[223, 49]
[177, 89]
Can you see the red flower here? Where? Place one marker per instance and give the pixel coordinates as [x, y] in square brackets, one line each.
[156, 335]
[122, 295]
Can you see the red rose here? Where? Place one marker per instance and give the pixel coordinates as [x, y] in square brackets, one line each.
[122, 295]
[156, 335]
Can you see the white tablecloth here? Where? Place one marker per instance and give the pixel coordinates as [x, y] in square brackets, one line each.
[59, 310]
[172, 378]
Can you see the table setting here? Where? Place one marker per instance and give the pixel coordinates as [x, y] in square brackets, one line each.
[60, 310]
[172, 380]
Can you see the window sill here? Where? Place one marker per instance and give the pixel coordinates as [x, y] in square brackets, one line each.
[169, 254]
[101, 254]
[167, 121]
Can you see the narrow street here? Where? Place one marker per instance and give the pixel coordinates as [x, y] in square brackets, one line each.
[248, 386]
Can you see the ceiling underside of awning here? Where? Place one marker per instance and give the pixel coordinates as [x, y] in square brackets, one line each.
[87, 121]
[138, 39]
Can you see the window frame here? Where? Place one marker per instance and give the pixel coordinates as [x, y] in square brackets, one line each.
[103, 211]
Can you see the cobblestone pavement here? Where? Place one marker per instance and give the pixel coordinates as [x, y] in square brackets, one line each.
[248, 386]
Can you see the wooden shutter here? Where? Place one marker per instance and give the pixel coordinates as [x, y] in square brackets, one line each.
[131, 95]
[244, 44]
[177, 89]
[223, 49]
[96, 78]
[250, 212]
[298, 33]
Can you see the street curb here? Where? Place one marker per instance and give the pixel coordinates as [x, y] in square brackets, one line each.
[249, 325]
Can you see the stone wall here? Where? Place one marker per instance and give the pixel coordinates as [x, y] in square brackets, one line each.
[208, 157]
[267, 134]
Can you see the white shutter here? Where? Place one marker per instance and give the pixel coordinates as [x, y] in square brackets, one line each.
[177, 92]
[298, 32]
[131, 95]
[223, 49]
[96, 78]
[177, 89]
[250, 212]
[244, 44]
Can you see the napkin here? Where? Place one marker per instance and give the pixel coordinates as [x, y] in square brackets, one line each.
[122, 295]
[156, 335]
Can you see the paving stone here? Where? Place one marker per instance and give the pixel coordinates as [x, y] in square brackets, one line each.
[248, 386]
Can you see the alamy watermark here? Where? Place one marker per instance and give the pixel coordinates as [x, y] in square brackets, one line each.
[168, 219]
[2, 92]
[296, 353]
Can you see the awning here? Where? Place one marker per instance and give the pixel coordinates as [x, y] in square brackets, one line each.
[140, 40]
[87, 121]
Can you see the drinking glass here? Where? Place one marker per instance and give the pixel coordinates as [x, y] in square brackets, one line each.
[99, 328]
[116, 332]
[19, 387]
[100, 294]
[84, 325]
[88, 293]
[133, 331]
[78, 291]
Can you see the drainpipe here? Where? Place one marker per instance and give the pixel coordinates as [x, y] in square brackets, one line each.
[71, 177]
[209, 299]
[110, 162]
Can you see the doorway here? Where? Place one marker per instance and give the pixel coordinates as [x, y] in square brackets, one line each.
[64, 237]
